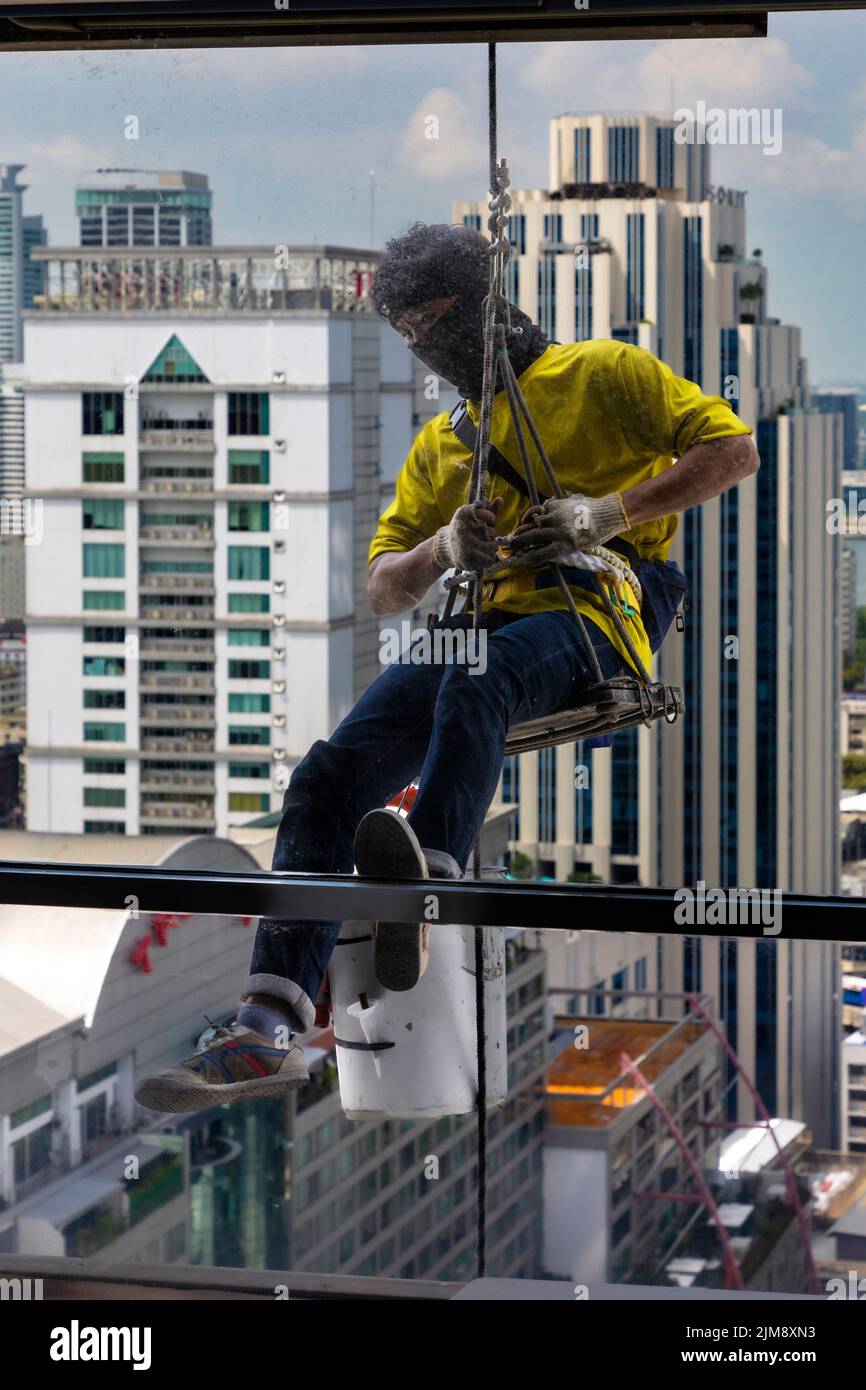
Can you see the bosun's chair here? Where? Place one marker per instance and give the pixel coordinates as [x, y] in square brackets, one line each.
[606, 707]
[618, 703]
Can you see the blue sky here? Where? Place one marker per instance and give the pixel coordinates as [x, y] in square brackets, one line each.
[289, 136]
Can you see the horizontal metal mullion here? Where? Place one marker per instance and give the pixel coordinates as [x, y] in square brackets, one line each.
[69, 1278]
[340, 897]
[71, 24]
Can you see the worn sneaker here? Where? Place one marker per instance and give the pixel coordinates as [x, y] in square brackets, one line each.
[386, 846]
[234, 1064]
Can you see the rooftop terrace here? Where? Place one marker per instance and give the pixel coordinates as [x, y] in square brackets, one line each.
[594, 1086]
[204, 279]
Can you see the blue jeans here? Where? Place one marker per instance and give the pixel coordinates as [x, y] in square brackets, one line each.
[436, 720]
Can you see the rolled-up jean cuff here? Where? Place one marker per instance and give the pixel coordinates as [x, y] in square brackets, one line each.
[302, 1010]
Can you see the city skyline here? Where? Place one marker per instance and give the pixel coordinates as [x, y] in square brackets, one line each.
[261, 125]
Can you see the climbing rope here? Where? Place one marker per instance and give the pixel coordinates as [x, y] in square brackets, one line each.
[497, 363]
[500, 203]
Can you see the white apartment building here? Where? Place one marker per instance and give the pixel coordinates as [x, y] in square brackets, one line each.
[209, 439]
[853, 1093]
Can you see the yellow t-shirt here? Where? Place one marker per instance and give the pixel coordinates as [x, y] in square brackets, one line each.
[610, 416]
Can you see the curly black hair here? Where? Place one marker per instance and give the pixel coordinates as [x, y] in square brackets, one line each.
[429, 261]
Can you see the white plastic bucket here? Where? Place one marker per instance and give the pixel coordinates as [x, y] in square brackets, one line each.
[412, 1055]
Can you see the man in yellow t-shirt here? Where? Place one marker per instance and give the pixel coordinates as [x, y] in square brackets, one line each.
[613, 419]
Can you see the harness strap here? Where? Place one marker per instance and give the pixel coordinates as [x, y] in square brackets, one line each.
[463, 428]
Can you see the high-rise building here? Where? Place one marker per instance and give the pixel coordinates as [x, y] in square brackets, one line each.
[20, 276]
[209, 481]
[144, 207]
[848, 601]
[11, 431]
[631, 241]
[844, 401]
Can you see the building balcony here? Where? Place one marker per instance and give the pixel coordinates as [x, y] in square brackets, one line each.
[187, 440]
[168, 680]
[178, 648]
[178, 714]
[176, 781]
[194, 809]
[158, 423]
[176, 486]
[189, 818]
[176, 535]
[173, 613]
[196, 583]
[192, 742]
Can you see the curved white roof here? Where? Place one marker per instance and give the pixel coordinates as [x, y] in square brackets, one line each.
[54, 960]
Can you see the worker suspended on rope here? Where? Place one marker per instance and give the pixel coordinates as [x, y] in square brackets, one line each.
[611, 418]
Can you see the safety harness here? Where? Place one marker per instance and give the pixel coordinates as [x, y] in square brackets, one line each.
[617, 560]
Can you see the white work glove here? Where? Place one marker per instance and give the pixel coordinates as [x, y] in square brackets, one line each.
[468, 541]
[567, 524]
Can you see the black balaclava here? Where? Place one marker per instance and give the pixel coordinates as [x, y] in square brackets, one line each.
[433, 262]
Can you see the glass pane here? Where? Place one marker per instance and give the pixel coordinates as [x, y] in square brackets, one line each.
[230, 467]
[685, 1150]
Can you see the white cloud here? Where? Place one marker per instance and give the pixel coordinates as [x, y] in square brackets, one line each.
[661, 76]
[813, 168]
[727, 72]
[444, 136]
[65, 152]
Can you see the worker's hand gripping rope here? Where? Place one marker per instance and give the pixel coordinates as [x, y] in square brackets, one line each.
[565, 524]
[469, 539]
